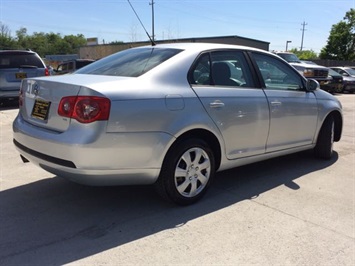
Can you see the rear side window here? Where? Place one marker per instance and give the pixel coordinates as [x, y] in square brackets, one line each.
[130, 63]
[17, 60]
[222, 68]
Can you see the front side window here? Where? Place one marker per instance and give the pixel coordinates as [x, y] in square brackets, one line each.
[129, 63]
[276, 74]
[222, 68]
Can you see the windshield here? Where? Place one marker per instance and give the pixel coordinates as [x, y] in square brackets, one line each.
[129, 63]
[351, 71]
[333, 73]
[291, 58]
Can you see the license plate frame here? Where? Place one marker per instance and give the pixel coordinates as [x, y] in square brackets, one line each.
[21, 75]
[40, 109]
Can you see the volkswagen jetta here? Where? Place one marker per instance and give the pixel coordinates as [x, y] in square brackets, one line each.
[172, 115]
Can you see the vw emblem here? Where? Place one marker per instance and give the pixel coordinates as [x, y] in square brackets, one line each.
[35, 89]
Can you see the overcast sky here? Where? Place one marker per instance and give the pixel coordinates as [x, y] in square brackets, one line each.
[274, 21]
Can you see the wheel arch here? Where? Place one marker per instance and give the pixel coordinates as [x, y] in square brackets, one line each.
[206, 136]
[338, 125]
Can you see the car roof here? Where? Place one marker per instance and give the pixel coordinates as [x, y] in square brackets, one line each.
[16, 52]
[202, 46]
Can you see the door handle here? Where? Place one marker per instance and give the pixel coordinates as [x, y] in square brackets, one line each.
[217, 104]
[276, 103]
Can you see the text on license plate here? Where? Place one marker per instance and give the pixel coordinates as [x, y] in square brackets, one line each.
[21, 75]
[41, 109]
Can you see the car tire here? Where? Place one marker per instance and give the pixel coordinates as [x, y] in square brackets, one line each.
[187, 172]
[339, 89]
[324, 146]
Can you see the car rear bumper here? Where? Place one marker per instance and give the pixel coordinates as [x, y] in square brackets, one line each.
[9, 93]
[112, 159]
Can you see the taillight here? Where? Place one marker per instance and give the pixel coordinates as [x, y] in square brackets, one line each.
[46, 72]
[85, 109]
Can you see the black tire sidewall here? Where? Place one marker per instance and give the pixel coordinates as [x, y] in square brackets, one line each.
[168, 170]
[324, 146]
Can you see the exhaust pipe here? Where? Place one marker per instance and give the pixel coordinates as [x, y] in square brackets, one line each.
[24, 159]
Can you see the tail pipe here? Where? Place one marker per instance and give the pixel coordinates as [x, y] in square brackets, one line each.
[24, 159]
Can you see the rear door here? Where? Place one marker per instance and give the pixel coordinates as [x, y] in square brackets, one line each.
[293, 110]
[224, 83]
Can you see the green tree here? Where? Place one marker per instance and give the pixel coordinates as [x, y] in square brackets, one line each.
[305, 54]
[6, 41]
[75, 42]
[22, 38]
[341, 40]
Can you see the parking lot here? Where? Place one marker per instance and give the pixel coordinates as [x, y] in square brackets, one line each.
[294, 210]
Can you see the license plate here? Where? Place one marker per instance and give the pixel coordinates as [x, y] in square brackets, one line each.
[41, 109]
[21, 75]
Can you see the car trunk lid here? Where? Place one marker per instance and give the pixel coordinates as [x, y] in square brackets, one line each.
[40, 97]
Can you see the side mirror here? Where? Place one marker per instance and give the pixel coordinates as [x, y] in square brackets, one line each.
[345, 74]
[312, 85]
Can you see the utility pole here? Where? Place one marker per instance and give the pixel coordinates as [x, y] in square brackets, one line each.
[303, 29]
[152, 4]
[287, 42]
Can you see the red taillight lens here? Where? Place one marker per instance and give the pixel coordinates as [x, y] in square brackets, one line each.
[85, 109]
[46, 72]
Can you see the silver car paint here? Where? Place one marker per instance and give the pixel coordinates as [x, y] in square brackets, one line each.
[145, 122]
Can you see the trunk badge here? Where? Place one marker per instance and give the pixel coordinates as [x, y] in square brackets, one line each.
[35, 89]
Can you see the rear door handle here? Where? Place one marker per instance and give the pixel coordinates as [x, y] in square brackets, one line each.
[217, 104]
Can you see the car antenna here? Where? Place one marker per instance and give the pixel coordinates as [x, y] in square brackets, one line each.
[151, 40]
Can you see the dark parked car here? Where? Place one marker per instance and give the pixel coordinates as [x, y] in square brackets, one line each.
[348, 74]
[72, 65]
[335, 84]
[16, 65]
[172, 115]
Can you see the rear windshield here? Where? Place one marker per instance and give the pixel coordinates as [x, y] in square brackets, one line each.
[17, 60]
[130, 63]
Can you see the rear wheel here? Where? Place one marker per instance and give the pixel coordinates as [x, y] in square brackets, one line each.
[324, 146]
[187, 172]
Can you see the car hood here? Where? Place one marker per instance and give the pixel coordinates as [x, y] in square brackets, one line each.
[349, 79]
[310, 66]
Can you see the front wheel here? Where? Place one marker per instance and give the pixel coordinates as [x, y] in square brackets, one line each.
[339, 89]
[324, 146]
[187, 172]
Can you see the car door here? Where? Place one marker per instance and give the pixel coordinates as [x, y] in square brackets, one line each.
[293, 110]
[224, 83]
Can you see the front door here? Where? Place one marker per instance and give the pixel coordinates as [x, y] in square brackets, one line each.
[293, 110]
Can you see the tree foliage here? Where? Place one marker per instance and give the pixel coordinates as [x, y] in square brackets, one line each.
[6, 42]
[40, 42]
[304, 54]
[341, 40]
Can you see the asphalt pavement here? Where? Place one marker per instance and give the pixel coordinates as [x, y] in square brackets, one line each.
[293, 210]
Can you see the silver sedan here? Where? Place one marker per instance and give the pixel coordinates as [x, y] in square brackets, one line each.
[172, 115]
